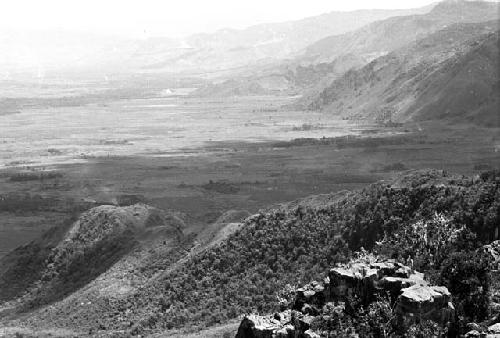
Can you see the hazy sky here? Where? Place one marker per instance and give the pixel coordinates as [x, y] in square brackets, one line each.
[171, 18]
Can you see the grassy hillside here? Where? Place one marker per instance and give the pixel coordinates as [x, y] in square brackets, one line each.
[451, 75]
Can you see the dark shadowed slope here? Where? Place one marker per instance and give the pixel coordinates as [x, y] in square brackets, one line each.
[451, 75]
[69, 256]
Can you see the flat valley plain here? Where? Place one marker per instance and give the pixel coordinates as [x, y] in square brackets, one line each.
[201, 157]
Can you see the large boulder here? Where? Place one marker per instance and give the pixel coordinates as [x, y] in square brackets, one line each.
[310, 298]
[426, 302]
[280, 325]
[254, 326]
[366, 280]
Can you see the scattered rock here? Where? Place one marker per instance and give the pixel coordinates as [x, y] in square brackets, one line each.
[416, 300]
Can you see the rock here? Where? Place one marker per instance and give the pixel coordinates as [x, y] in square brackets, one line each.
[253, 326]
[495, 328]
[305, 322]
[277, 325]
[426, 302]
[394, 285]
[387, 268]
[418, 297]
[357, 279]
[473, 327]
[310, 297]
[311, 334]
[367, 280]
[473, 334]
[285, 332]
[364, 280]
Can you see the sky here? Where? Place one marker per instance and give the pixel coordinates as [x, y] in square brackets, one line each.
[171, 18]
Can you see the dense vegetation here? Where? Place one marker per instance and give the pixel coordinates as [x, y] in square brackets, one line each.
[298, 243]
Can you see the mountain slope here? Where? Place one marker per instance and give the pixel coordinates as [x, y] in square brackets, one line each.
[451, 75]
[74, 254]
[322, 62]
[260, 44]
[46, 53]
[290, 244]
[387, 35]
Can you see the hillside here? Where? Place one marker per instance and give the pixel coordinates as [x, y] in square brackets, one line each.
[451, 75]
[290, 244]
[384, 36]
[319, 64]
[73, 254]
[256, 45]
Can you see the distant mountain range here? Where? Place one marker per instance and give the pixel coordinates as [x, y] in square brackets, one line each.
[41, 52]
[383, 65]
[260, 44]
[394, 70]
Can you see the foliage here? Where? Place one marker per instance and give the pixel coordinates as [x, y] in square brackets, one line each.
[298, 244]
[466, 274]
[446, 252]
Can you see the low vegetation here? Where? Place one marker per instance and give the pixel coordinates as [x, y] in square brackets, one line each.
[246, 272]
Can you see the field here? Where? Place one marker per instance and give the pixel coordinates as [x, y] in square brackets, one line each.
[202, 157]
[45, 133]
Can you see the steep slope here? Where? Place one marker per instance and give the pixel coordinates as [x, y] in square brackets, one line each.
[322, 62]
[72, 255]
[290, 244]
[387, 35]
[286, 77]
[451, 75]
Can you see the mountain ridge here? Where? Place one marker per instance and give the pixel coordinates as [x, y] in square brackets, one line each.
[420, 81]
[244, 271]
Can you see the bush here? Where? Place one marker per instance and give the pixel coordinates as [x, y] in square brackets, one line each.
[294, 245]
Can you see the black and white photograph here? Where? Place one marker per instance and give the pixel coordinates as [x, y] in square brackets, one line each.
[250, 168]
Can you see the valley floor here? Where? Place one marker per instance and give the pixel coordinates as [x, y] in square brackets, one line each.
[204, 183]
[226, 176]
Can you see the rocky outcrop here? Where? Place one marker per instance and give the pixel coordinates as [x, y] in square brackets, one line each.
[365, 282]
[289, 323]
[420, 302]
